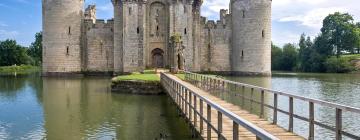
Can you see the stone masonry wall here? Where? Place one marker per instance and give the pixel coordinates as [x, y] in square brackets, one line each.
[133, 43]
[215, 44]
[99, 46]
[62, 25]
[251, 36]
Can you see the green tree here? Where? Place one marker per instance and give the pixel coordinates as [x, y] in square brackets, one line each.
[289, 57]
[35, 49]
[12, 53]
[276, 55]
[338, 65]
[338, 33]
[357, 32]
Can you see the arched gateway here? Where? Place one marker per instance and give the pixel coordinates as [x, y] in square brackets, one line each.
[157, 58]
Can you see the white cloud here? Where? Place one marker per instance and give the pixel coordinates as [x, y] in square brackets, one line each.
[4, 34]
[211, 8]
[312, 18]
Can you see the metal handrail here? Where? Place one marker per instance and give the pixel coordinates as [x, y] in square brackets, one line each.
[259, 132]
[339, 108]
[325, 103]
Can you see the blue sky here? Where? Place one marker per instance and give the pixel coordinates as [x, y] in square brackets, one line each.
[21, 19]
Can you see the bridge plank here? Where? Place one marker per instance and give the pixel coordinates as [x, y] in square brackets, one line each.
[277, 131]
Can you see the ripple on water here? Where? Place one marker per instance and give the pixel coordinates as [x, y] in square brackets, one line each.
[36, 134]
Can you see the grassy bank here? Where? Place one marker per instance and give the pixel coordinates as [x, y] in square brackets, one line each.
[148, 75]
[22, 69]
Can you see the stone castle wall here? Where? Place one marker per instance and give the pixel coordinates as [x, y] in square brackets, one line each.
[251, 36]
[75, 41]
[215, 44]
[62, 28]
[99, 46]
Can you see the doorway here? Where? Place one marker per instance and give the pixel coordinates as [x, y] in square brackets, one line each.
[157, 58]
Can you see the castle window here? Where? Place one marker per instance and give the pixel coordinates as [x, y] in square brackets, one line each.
[130, 11]
[242, 53]
[138, 30]
[243, 13]
[263, 33]
[69, 30]
[67, 50]
[185, 31]
[209, 53]
[157, 28]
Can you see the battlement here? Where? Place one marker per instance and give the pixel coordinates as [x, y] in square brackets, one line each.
[99, 23]
[219, 24]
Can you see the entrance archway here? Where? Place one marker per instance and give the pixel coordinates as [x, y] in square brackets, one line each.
[157, 58]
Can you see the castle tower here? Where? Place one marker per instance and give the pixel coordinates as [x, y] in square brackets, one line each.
[62, 24]
[251, 37]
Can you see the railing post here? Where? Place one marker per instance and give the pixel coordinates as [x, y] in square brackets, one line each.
[243, 97]
[275, 108]
[195, 111]
[311, 120]
[183, 100]
[262, 104]
[235, 131]
[186, 104]
[338, 124]
[190, 104]
[251, 99]
[208, 122]
[291, 114]
[201, 116]
[219, 125]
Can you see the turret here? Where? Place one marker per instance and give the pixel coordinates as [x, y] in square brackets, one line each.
[251, 37]
[62, 24]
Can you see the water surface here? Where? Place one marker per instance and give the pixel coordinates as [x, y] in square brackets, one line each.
[337, 88]
[82, 108]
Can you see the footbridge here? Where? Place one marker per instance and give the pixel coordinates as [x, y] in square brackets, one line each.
[198, 98]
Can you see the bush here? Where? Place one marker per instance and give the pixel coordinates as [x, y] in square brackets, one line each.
[338, 65]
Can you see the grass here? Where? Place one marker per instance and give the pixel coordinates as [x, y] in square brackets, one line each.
[22, 69]
[147, 75]
[351, 56]
[181, 76]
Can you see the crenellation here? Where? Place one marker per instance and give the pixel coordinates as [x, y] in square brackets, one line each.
[139, 34]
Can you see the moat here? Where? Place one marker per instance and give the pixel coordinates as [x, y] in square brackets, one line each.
[84, 108]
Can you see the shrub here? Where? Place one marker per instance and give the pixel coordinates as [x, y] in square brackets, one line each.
[338, 65]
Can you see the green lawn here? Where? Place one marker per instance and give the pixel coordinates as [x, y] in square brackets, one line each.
[148, 75]
[351, 56]
[19, 69]
[181, 76]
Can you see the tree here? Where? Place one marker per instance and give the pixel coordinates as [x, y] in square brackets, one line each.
[35, 49]
[304, 52]
[357, 32]
[12, 53]
[276, 55]
[290, 57]
[338, 32]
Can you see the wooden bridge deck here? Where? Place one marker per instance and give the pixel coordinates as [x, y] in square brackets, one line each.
[227, 123]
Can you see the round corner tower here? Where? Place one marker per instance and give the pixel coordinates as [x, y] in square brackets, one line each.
[62, 26]
[251, 37]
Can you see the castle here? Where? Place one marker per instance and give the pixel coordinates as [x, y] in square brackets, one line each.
[156, 33]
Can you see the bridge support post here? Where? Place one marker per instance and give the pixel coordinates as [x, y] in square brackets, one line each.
[338, 124]
[208, 122]
[235, 131]
[311, 121]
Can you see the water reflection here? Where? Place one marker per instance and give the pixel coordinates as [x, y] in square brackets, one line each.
[82, 108]
[338, 88]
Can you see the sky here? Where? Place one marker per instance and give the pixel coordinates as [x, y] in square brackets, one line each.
[21, 19]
